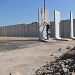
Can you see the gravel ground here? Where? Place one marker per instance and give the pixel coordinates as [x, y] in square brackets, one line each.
[26, 57]
[13, 45]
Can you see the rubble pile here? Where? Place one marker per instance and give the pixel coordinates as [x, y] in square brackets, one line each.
[64, 65]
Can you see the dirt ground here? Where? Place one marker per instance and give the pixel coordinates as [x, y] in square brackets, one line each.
[26, 55]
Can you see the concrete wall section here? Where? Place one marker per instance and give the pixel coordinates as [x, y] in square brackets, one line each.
[0, 31]
[22, 30]
[30, 30]
[67, 29]
[13, 33]
[62, 29]
[52, 29]
[34, 32]
[37, 30]
[74, 27]
[26, 30]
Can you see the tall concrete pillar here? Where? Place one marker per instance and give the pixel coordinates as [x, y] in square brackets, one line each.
[71, 25]
[57, 24]
[43, 16]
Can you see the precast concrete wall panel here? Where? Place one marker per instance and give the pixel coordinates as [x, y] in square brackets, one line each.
[34, 31]
[5, 32]
[67, 29]
[30, 30]
[22, 30]
[71, 25]
[57, 23]
[62, 29]
[37, 30]
[74, 26]
[16, 30]
[52, 30]
[6, 35]
[26, 30]
[9, 31]
[0, 31]
[13, 31]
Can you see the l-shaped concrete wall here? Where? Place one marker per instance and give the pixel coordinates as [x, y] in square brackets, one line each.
[64, 29]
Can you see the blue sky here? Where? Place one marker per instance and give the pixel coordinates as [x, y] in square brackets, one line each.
[26, 11]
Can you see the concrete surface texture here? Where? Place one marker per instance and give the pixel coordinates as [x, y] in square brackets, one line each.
[27, 60]
[43, 17]
[57, 23]
[20, 30]
[26, 31]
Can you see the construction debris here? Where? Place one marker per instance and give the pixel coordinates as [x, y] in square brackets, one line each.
[64, 65]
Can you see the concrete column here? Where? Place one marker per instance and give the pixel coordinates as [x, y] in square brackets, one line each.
[42, 17]
[57, 24]
[71, 24]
